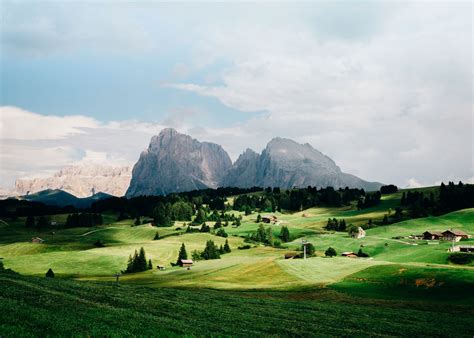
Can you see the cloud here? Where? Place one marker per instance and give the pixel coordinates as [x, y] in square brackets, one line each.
[413, 183]
[393, 101]
[19, 124]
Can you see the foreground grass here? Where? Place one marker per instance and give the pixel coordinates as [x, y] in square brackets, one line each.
[32, 306]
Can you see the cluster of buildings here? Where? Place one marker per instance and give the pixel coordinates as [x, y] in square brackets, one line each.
[448, 235]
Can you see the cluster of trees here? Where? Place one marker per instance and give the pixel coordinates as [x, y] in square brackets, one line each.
[39, 222]
[296, 199]
[451, 197]
[388, 189]
[211, 251]
[369, 200]
[330, 252]
[83, 219]
[265, 236]
[335, 225]
[138, 262]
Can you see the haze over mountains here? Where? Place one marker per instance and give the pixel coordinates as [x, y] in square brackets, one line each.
[176, 162]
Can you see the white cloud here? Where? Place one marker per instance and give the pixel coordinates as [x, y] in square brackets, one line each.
[19, 124]
[390, 105]
[413, 183]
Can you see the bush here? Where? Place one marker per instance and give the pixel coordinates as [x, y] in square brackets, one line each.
[244, 247]
[461, 258]
[330, 252]
[50, 273]
[360, 253]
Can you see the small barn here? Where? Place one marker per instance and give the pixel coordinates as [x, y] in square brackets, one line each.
[185, 262]
[349, 254]
[37, 240]
[269, 219]
[454, 235]
[432, 235]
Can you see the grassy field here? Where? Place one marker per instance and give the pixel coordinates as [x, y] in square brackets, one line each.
[409, 278]
[33, 306]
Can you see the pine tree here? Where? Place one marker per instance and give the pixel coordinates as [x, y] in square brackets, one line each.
[260, 235]
[129, 264]
[157, 236]
[285, 234]
[218, 224]
[200, 216]
[226, 246]
[50, 273]
[269, 236]
[150, 265]
[142, 264]
[259, 218]
[138, 221]
[182, 253]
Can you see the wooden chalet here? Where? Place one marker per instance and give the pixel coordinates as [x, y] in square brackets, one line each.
[185, 262]
[454, 235]
[269, 219]
[37, 240]
[432, 235]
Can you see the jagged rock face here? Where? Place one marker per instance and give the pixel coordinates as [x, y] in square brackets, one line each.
[286, 164]
[81, 181]
[243, 173]
[175, 162]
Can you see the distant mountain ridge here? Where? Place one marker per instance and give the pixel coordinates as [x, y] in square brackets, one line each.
[80, 181]
[176, 162]
[62, 198]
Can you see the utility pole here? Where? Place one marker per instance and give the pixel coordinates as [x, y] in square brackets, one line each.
[304, 242]
[117, 275]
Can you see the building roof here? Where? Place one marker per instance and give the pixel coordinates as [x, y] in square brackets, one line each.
[186, 261]
[437, 233]
[347, 253]
[456, 232]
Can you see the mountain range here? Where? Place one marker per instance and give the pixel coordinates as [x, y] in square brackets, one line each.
[176, 162]
[80, 180]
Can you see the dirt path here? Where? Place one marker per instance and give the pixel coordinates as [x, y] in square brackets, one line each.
[97, 230]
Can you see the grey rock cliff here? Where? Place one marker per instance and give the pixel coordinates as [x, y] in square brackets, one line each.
[176, 162]
[285, 163]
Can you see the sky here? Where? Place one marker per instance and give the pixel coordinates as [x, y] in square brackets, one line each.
[384, 88]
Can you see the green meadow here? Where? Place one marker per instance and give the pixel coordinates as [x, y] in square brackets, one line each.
[401, 289]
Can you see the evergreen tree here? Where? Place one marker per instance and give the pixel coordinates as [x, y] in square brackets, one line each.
[182, 253]
[385, 220]
[221, 232]
[210, 251]
[285, 234]
[259, 218]
[237, 222]
[227, 246]
[142, 260]
[269, 236]
[138, 221]
[30, 222]
[200, 216]
[218, 224]
[260, 235]
[161, 217]
[50, 273]
[129, 264]
[150, 265]
[330, 252]
[157, 236]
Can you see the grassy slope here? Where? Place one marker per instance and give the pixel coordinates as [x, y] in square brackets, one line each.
[41, 306]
